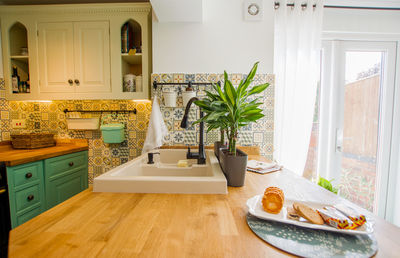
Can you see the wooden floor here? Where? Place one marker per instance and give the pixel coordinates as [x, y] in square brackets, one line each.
[168, 225]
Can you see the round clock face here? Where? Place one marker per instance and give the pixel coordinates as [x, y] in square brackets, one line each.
[253, 9]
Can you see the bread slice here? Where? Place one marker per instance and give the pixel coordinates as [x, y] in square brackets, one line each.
[308, 213]
[292, 214]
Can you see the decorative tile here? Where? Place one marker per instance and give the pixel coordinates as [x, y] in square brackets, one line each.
[2, 84]
[2, 94]
[4, 115]
[190, 138]
[178, 77]
[201, 77]
[178, 137]
[212, 137]
[5, 136]
[190, 77]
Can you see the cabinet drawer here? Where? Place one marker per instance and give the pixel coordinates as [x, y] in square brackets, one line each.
[27, 197]
[26, 173]
[28, 215]
[58, 165]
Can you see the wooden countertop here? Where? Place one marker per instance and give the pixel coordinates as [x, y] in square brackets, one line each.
[13, 157]
[168, 225]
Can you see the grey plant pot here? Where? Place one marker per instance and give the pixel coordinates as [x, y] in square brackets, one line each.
[234, 167]
[217, 146]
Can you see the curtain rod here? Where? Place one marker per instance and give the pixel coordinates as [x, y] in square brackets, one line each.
[304, 5]
[363, 8]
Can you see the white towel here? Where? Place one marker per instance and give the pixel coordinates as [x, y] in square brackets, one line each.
[157, 129]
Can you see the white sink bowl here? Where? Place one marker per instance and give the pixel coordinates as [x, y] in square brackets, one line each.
[164, 176]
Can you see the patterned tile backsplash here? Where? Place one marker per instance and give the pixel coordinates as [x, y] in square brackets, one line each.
[49, 117]
[260, 133]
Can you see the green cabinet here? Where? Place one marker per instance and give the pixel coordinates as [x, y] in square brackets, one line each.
[65, 176]
[37, 186]
[26, 191]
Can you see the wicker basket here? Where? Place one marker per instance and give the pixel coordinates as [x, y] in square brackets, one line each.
[32, 140]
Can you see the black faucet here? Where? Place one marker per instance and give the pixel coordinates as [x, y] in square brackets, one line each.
[150, 156]
[201, 155]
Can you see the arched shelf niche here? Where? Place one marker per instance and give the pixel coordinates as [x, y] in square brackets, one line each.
[19, 55]
[131, 56]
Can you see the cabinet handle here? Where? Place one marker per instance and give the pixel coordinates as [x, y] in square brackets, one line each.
[70, 81]
[71, 164]
[76, 81]
[30, 197]
[28, 175]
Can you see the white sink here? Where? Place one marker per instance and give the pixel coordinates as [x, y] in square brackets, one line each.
[164, 176]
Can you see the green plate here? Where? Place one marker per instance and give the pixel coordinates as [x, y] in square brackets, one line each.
[310, 242]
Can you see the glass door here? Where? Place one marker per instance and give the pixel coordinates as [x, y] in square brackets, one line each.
[362, 77]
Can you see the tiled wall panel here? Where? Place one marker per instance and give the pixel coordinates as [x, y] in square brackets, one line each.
[49, 117]
[260, 133]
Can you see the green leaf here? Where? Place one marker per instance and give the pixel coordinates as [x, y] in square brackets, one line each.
[230, 92]
[327, 185]
[258, 89]
[253, 117]
[219, 91]
[249, 79]
[205, 105]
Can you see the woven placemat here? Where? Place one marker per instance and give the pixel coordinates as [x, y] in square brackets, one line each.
[310, 242]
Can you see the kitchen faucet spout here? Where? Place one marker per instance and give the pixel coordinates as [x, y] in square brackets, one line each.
[200, 155]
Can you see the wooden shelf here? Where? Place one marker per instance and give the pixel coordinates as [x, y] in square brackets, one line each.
[132, 59]
[19, 57]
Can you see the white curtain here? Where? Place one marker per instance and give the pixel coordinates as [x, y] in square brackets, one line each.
[296, 67]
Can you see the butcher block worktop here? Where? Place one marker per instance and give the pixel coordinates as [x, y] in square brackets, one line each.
[13, 157]
[168, 225]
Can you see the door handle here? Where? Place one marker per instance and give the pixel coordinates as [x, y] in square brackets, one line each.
[76, 81]
[339, 140]
[70, 81]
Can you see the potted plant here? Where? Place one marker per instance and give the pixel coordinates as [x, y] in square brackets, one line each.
[232, 109]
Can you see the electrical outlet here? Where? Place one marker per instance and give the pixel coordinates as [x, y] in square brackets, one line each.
[18, 123]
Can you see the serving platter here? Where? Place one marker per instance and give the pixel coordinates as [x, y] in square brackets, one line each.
[255, 208]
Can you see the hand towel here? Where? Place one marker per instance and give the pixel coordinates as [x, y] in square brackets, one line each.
[157, 129]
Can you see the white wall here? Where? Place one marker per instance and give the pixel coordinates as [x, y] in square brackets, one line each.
[361, 21]
[224, 41]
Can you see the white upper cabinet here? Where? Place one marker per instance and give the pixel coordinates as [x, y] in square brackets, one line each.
[74, 57]
[92, 56]
[75, 50]
[56, 63]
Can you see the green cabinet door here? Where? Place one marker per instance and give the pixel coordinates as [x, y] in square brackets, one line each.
[26, 191]
[65, 176]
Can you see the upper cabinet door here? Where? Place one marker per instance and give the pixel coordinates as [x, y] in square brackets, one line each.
[56, 64]
[92, 56]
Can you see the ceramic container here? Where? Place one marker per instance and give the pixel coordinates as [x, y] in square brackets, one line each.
[129, 83]
[186, 96]
[169, 98]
